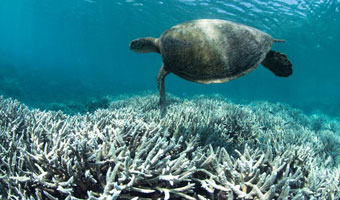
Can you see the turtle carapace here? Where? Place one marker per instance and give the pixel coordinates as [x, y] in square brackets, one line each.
[212, 51]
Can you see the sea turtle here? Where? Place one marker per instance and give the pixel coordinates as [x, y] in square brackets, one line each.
[212, 51]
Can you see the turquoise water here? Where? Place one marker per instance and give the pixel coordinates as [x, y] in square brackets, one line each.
[58, 51]
[257, 137]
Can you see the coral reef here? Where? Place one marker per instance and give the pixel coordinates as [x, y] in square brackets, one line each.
[204, 148]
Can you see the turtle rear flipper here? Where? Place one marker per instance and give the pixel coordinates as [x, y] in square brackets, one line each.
[278, 63]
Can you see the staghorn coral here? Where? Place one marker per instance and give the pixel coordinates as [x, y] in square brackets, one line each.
[205, 148]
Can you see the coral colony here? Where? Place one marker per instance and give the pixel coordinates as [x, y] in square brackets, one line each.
[203, 148]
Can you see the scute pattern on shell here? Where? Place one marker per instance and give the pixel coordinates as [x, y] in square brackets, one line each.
[210, 51]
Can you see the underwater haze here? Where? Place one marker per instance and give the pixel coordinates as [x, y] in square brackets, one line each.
[61, 51]
[80, 112]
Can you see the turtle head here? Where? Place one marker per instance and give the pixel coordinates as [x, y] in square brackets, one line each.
[145, 45]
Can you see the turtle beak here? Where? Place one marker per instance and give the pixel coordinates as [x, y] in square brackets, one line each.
[131, 45]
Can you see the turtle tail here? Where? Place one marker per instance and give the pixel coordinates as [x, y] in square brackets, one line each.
[278, 63]
[145, 45]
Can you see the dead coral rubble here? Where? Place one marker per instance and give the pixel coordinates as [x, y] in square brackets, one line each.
[202, 149]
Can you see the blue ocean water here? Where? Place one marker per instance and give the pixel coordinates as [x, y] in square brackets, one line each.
[57, 51]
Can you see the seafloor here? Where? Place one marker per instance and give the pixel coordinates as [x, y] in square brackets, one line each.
[204, 148]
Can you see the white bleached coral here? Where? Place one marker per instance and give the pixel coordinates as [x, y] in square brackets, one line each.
[204, 148]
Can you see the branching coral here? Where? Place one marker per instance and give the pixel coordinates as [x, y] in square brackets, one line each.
[205, 148]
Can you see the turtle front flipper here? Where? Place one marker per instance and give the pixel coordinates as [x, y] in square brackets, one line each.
[278, 63]
[160, 81]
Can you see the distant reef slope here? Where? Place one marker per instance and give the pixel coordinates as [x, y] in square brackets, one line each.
[204, 148]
